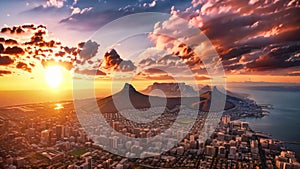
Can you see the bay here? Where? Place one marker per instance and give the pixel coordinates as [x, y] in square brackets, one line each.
[283, 122]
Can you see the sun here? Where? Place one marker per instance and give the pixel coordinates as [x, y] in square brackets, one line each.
[53, 76]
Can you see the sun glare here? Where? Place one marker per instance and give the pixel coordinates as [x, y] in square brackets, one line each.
[53, 76]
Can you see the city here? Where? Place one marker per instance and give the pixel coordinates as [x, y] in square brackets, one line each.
[50, 135]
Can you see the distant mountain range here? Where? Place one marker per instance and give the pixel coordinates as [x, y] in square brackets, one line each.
[181, 90]
[129, 98]
[170, 90]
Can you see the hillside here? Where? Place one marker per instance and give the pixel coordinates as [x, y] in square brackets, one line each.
[129, 98]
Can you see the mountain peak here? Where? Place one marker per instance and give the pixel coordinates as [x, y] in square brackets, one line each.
[128, 87]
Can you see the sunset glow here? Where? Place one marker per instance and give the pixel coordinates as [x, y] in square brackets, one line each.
[53, 76]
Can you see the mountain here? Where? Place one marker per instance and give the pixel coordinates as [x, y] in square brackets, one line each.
[129, 98]
[204, 89]
[170, 90]
[174, 90]
[218, 94]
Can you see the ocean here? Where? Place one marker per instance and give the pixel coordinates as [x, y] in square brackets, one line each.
[283, 121]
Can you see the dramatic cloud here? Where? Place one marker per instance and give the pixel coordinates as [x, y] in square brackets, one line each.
[112, 60]
[12, 30]
[89, 50]
[91, 15]
[5, 60]
[13, 50]
[1, 48]
[23, 66]
[33, 46]
[56, 3]
[187, 46]
[278, 57]
[250, 36]
[4, 72]
[154, 74]
[163, 64]
[11, 42]
[147, 62]
[167, 74]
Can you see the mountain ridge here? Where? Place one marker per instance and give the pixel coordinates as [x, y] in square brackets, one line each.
[129, 98]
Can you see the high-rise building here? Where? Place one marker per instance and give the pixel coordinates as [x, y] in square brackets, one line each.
[45, 137]
[192, 138]
[115, 125]
[20, 162]
[67, 131]
[222, 151]
[225, 119]
[210, 150]
[232, 152]
[115, 142]
[244, 125]
[59, 133]
[89, 160]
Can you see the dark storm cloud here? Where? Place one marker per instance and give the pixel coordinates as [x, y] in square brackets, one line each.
[5, 60]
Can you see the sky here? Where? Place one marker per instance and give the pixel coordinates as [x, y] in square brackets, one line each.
[108, 41]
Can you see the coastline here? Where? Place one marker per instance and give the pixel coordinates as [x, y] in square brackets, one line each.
[280, 116]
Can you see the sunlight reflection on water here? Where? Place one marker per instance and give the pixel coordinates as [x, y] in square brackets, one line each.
[58, 106]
